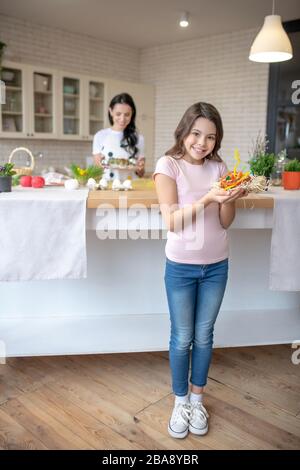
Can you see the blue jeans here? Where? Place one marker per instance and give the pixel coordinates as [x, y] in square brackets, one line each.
[195, 293]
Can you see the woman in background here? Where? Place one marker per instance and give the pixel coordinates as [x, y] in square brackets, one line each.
[121, 141]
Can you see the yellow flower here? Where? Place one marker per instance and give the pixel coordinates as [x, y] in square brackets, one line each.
[81, 171]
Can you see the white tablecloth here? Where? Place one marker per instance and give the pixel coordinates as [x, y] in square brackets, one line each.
[42, 234]
[285, 242]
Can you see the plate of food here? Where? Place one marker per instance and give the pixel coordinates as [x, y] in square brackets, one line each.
[239, 179]
[122, 163]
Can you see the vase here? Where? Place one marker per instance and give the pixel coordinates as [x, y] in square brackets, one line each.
[5, 184]
[82, 180]
[291, 179]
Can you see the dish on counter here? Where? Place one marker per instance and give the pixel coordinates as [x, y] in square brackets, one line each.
[122, 163]
[53, 178]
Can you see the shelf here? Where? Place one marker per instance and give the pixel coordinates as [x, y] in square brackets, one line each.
[71, 95]
[70, 117]
[43, 115]
[13, 88]
[13, 113]
[43, 92]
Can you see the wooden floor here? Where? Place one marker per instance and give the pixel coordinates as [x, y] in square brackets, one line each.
[123, 401]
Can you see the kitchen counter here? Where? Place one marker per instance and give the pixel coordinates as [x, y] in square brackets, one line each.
[122, 306]
[149, 199]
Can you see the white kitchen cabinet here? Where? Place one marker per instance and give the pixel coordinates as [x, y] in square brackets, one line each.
[45, 103]
[96, 107]
[81, 106]
[30, 109]
[71, 106]
[14, 115]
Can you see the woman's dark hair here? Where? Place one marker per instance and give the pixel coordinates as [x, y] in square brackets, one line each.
[130, 137]
[197, 110]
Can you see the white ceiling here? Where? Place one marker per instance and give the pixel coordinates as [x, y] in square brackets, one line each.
[144, 23]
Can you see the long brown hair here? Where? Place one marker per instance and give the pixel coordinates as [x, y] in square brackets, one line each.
[197, 110]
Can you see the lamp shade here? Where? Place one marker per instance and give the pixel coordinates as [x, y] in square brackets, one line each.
[272, 44]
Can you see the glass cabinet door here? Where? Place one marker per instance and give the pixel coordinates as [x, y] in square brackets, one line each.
[95, 107]
[43, 103]
[71, 106]
[12, 112]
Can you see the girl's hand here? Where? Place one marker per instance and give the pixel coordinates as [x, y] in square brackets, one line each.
[236, 194]
[222, 197]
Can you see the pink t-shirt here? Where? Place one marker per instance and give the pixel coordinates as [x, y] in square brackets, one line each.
[204, 241]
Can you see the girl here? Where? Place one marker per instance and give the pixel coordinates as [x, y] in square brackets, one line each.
[121, 140]
[196, 273]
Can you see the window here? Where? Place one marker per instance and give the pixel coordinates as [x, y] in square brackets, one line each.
[283, 119]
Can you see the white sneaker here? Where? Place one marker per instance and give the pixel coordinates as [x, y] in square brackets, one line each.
[179, 423]
[198, 419]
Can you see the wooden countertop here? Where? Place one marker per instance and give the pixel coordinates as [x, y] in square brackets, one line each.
[147, 197]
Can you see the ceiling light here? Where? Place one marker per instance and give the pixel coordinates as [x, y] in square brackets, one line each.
[272, 43]
[184, 19]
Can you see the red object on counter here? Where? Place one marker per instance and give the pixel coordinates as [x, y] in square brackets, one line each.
[291, 179]
[26, 181]
[38, 182]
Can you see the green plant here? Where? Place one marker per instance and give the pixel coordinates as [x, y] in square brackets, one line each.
[82, 175]
[261, 162]
[7, 170]
[293, 165]
[263, 165]
[16, 180]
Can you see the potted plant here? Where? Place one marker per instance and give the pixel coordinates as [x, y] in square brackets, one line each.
[82, 175]
[291, 175]
[6, 173]
[261, 162]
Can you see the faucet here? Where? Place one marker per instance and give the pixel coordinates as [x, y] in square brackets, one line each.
[39, 155]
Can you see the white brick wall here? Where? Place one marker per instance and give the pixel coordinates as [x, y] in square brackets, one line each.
[214, 69]
[35, 44]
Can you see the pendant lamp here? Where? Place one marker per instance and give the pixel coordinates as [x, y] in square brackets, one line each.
[184, 19]
[272, 43]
